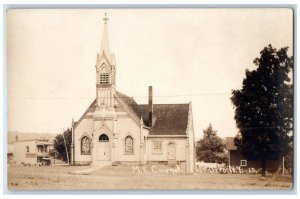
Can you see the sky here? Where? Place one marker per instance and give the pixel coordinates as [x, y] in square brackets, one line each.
[197, 55]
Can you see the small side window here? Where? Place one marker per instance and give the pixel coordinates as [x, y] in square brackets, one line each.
[27, 149]
[243, 162]
[157, 147]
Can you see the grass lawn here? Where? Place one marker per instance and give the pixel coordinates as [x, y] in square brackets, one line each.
[128, 177]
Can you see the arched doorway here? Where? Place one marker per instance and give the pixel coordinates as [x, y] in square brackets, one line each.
[171, 153]
[103, 147]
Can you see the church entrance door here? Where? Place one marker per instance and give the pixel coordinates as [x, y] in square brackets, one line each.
[103, 148]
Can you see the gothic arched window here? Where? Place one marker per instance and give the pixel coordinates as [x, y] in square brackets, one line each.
[85, 146]
[128, 144]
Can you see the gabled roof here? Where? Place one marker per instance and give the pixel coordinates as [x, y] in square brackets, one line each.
[230, 143]
[168, 119]
[128, 100]
[90, 109]
[129, 105]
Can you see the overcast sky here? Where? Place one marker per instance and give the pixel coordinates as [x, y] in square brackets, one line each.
[196, 55]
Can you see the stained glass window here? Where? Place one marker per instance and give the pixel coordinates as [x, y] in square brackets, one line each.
[85, 145]
[128, 144]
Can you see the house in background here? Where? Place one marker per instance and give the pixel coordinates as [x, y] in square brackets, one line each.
[114, 128]
[31, 151]
[235, 158]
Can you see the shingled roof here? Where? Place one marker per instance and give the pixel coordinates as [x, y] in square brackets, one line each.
[129, 101]
[230, 143]
[168, 119]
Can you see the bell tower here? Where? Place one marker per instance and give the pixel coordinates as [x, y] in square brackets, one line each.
[105, 72]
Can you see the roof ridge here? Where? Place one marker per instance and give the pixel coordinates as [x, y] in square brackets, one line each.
[129, 104]
[126, 96]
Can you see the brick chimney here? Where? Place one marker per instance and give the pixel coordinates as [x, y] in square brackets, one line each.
[150, 105]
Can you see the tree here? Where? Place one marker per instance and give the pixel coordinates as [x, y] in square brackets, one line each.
[288, 160]
[263, 107]
[211, 148]
[59, 145]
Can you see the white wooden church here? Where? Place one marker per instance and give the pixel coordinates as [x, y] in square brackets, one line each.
[114, 128]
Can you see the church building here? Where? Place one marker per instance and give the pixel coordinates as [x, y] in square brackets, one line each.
[114, 128]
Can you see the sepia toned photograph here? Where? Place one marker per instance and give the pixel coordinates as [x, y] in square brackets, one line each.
[150, 99]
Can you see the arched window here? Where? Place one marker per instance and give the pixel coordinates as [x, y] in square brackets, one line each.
[128, 144]
[103, 138]
[85, 146]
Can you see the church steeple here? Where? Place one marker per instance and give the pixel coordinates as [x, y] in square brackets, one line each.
[105, 71]
[104, 47]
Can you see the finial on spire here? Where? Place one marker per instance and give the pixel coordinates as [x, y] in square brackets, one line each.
[105, 19]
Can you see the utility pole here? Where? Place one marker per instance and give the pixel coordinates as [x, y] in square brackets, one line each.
[66, 147]
[72, 144]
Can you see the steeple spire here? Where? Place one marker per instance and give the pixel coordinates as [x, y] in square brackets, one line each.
[104, 47]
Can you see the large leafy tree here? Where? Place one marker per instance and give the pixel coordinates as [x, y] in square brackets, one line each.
[59, 145]
[263, 107]
[211, 148]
